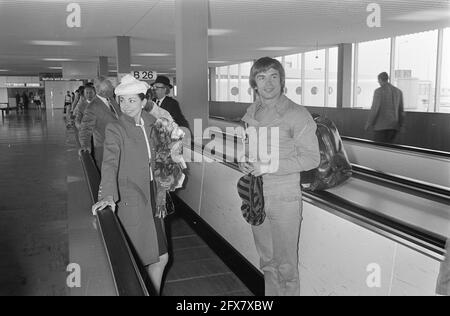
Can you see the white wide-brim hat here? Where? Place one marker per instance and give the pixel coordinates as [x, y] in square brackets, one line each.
[131, 86]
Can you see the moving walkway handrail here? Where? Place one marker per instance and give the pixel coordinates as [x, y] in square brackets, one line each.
[422, 189]
[424, 151]
[126, 275]
[426, 190]
[421, 240]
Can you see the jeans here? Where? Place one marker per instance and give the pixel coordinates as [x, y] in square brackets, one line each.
[277, 243]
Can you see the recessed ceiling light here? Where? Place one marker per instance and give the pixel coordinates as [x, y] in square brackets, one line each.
[54, 43]
[56, 68]
[3, 70]
[217, 62]
[423, 16]
[153, 55]
[136, 65]
[275, 48]
[57, 59]
[218, 32]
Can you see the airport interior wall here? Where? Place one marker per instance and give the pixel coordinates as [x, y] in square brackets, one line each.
[423, 130]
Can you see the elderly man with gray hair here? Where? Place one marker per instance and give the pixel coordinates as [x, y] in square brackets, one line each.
[99, 113]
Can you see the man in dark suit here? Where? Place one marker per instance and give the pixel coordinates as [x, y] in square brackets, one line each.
[162, 88]
[99, 113]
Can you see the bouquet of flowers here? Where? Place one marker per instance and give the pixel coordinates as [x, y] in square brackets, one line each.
[169, 162]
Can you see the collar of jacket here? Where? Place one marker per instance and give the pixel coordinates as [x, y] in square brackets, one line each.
[281, 107]
[149, 120]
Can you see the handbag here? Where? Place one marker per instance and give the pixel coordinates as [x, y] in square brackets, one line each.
[170, 206]
[250, 190]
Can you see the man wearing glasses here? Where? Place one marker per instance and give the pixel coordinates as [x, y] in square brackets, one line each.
[162, 88]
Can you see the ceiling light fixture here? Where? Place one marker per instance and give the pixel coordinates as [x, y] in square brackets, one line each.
[54, 43]
[57, 59]
[424, 16]
[217, 62]
[56, 68]
[218, 32]
[275, 48]
[153, 54]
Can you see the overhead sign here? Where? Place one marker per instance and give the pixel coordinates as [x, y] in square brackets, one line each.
[33, 85]
[50, 77]
[14, 85]
[145, 75]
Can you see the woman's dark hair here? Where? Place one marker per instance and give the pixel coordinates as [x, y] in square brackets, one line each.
[142, 96]
[264, 64]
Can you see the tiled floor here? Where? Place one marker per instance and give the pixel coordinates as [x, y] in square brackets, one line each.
[195, 270]
[33, 219]
[34, 239]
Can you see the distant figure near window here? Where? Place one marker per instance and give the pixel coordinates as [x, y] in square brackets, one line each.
[386, 115]
[68, 100]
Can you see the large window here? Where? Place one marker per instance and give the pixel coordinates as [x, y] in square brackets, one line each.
[415, 70]
[373, 59]
[332, 76]
[314, 78]
[246, 92]
[232, 83]
[293, 67]
[414, 64]
[444, 105]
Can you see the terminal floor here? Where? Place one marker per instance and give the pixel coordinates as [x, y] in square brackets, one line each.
[34, 239]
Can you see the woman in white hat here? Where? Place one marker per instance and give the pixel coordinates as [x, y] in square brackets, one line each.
[127, 178]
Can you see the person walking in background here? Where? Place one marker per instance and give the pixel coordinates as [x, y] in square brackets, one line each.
[37, 101]
[89, 96]
[162, 89]
[68, 99]
[386, 115]
[277, 238]
[25, 100]
[78, 99]
[101, 111]
[17, 100]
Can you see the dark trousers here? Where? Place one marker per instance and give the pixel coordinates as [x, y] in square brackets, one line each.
[385, 136]
[98, 155]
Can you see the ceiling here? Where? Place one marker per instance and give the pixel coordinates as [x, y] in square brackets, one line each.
[242, 30]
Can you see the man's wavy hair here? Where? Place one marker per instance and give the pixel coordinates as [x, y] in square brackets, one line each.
[264, 64]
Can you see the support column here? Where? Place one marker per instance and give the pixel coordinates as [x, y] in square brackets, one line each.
[213, 83]
[123, 56]
[344, 83]
[103, 69]
[191, 28]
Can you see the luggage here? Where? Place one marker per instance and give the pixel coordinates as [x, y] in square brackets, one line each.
[334, 168]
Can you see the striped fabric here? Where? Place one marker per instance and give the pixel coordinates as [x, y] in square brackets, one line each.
[250, 190]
